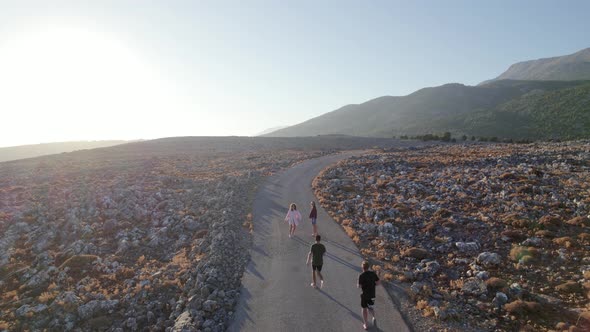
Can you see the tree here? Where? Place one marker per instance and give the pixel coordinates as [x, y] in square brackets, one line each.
[446, 137]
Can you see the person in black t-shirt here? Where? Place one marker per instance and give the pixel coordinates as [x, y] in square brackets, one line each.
[316, 255]
[367, 282]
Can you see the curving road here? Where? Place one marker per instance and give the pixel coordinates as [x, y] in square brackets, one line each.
[276, 293]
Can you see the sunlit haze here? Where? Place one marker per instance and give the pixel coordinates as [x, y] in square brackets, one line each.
[78, 70]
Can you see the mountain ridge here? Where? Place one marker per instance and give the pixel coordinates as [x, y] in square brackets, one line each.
[460, 109]
[428, 110]
[575, 66]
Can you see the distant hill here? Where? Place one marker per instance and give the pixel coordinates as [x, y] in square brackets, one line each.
[270, 130]
[554, 114]
[461, 109]
[35, 150]
[562, 68]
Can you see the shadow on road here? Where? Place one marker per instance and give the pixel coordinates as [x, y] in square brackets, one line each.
[343, 262]
[343, 247]
[352, 313]
[259, 250]
[251, 268]
[242, 313]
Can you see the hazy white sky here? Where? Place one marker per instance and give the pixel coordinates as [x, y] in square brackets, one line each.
[90, 70]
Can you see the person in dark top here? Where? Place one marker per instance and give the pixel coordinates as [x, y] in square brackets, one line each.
[313, 215]
[367, 282]
[316, 254]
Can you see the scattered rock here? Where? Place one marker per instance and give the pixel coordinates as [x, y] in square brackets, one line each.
[489, 259]
[467, 247]
[418, 253]
[500, 299]
[474, 286]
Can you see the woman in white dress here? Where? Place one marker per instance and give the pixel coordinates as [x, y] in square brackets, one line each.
[293, 218]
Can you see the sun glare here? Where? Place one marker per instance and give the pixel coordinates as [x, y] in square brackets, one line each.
[63, 83]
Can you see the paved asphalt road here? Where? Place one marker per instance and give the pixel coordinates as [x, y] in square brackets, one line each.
[276, 293]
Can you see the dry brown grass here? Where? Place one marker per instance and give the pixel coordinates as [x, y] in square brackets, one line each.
[584, 320]
[47, 297]
[366, 252]
[181, 259]
[496, 284]
[520, 307]
[382, 254]
[584, 238]
[579, 221]
[9, 296]
[418, 253]
[248, 223]
[351, 233]
[565, 241]
[569, 287]
[125, 273]
[421, 304]
[456, 284]
[523, 254]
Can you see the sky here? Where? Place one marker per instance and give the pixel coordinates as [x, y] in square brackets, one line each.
[98, 70]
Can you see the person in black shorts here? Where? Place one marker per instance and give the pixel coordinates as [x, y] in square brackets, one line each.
[367, 281]
[316, 254]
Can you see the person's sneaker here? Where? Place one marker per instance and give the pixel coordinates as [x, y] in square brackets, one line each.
[289, 235]
[321, 284]
[365, 327]
[374, 322]
[312, 285]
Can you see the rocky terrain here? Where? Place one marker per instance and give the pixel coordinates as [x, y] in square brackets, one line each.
[149, 236]
[480, 237]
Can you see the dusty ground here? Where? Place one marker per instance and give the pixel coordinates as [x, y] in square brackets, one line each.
[137, 236]
[480, 237]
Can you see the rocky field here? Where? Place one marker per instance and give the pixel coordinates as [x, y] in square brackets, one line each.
[147, 236]
[480, 237]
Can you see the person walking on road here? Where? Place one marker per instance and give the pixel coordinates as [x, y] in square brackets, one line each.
[316, 254]
[313, 215]
[293, 218]
[367, 281]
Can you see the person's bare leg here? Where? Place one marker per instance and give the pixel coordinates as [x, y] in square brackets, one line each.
[372, 311]
[315, 230]
[365, 317]
[313, 277]
[294, 228]
[321, 279]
